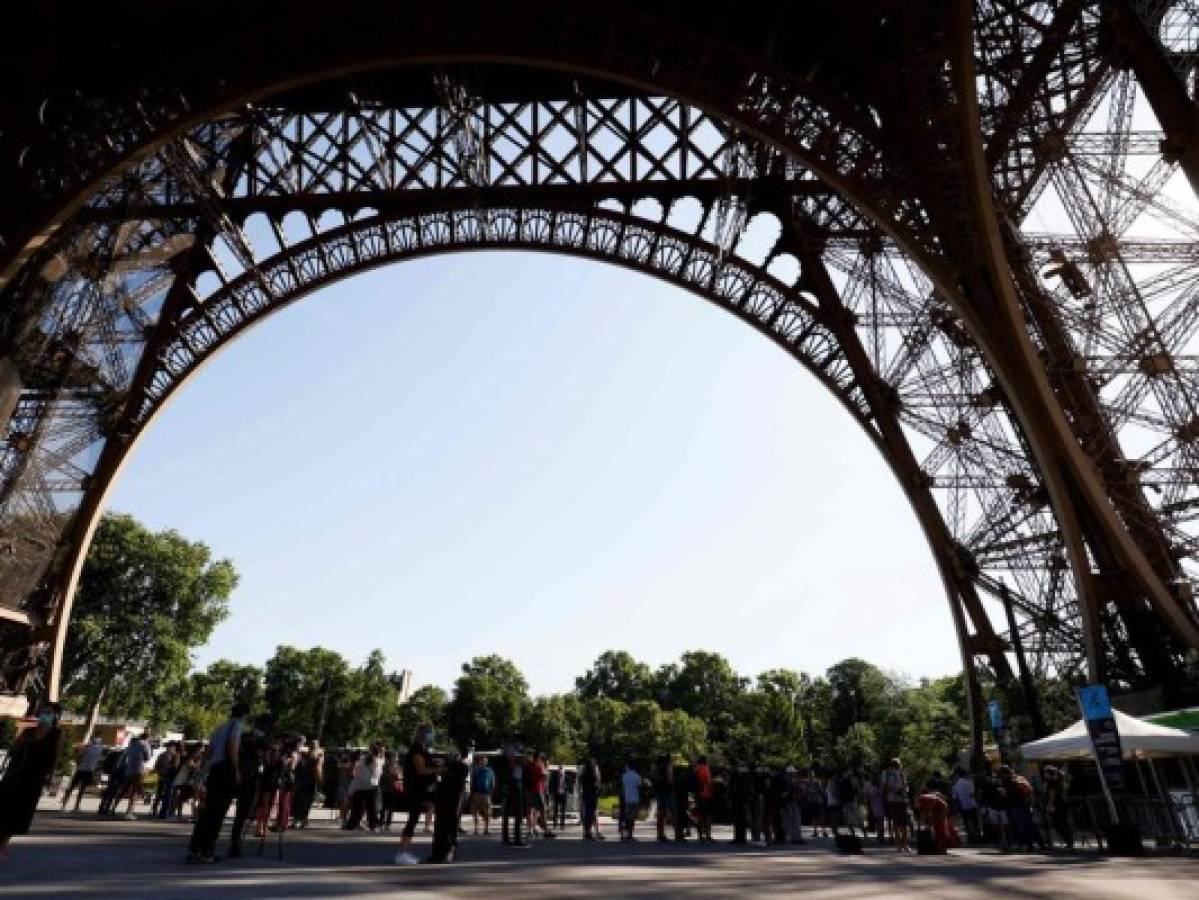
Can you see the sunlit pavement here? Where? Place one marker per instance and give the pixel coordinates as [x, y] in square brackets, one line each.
[73, 855]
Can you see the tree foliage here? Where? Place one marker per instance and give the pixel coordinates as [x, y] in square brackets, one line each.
[489, 701]
[617, 675]
[427, 705]
[145, 600]
[316, 692]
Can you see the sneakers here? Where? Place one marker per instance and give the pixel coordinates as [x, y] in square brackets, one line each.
[130, 817]
[406, 859]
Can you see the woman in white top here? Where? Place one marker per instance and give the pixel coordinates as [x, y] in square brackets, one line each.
[364, 789]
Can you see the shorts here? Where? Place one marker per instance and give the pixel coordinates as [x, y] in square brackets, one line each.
[534, 800]
[132, 784]
[703, 807]
[479, 805]
[84, 778]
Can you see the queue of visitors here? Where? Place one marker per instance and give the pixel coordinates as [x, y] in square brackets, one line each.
[272, 781]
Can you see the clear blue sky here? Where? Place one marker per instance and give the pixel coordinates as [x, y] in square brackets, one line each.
[540, 457]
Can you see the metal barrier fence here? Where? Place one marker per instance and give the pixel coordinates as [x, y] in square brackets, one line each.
[1171, 821]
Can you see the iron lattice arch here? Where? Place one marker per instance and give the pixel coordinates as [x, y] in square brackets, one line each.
[961, 234]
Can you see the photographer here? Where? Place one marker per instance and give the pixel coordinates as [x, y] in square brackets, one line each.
[224, 779]
[250, 757]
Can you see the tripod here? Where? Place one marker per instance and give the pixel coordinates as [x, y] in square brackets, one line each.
[280, 802]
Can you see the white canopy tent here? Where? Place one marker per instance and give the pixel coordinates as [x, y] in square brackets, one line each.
[1138, 740]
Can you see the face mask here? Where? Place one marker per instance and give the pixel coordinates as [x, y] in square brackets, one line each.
[46, 718]
[429, 737]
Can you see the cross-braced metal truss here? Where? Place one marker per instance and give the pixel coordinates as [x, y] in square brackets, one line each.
[983, 243]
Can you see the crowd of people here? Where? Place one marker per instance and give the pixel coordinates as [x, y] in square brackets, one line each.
[273, 780]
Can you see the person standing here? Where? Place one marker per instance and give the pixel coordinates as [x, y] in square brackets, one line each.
[482, 786]
[187, 783]
[308, 776]
[364, 789]
[849, 789]
[703, 799]
[779, 794]
[630, 795]
[420, 770]
[250, 760]
[447, 805]
[589, 780]
[962, 794]
[31, 761]
[753, 804]
[662, 780]
[1020, 803]
[222, 782]
[682, 791]
[114, 768]
[137, 755]
[166, 767]
[812, 803]
[1057, 807]
[389, 788]
[876, 804]
[536, 789]
[514, 797]
[895, 793]
[559, 791]
[738, 797]
[85, 771]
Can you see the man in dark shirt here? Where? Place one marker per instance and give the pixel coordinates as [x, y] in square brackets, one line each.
[588, 797]
[514, 796]
[419, 771]
[447, 808]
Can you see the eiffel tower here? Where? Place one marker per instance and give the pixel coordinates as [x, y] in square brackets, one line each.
[986, 236]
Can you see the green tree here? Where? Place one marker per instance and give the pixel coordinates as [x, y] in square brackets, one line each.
[617, 675]
[372, 705]
[489, 701]
[211, 692]
[613, 731]
[555, 724]
[855, 748]
[681, 736]
[934, 729]
[704, 685]
[768, 729]
[859, 692]
[603, 735]
[145, 600]
[427, 705]
[310, 692]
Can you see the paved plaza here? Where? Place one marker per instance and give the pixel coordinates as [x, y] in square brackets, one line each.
[80, 855]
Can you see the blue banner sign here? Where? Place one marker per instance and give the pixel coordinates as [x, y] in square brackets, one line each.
[1096, 709]
[995, 712]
